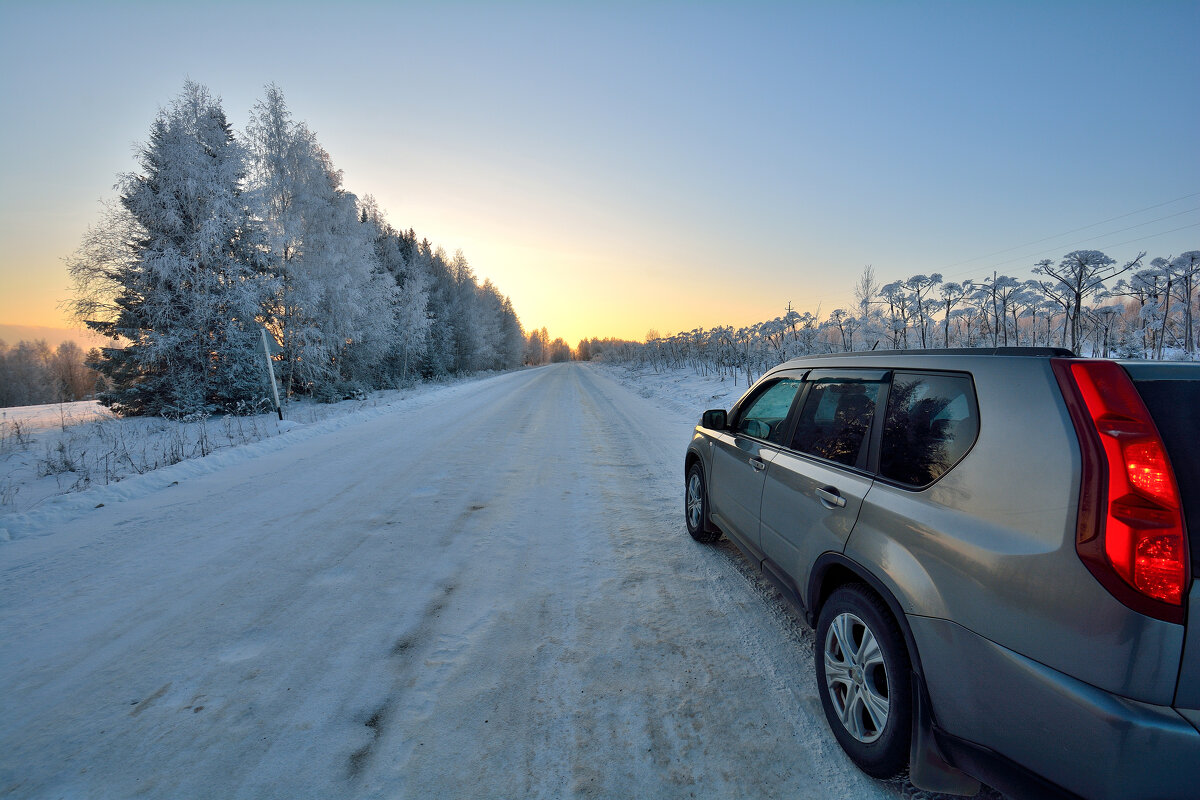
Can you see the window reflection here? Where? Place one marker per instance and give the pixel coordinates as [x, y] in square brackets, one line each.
[836, 421]
[929, 426]
[765, 417]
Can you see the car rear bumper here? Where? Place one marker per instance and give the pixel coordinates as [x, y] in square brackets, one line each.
[994, 702]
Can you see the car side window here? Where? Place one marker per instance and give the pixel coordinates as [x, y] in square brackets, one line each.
[766, 416]
[835, 422]
[931, 423]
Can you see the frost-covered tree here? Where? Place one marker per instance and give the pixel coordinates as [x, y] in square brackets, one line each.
[559, 351]
[996, 294]
[537, 351]
[70, 377]
[212, 237]
[1079, 275]
[31, 373]
[355, 312]
[950, 295]
[472, 348]
[333, 311]
[500, 328]
[921, 286]
[865, 289]
[1149, 288]
[177, 271]
[1023, 303]
[396, 253]
[897, 300]
[1161, 320]
[846, 324]
[512, 346]
[1186, 271]
[25, 376]
[999, 310]
[1104, 320]
[440, 353]
[285, 170]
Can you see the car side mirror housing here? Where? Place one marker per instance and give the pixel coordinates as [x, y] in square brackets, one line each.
[715, 419]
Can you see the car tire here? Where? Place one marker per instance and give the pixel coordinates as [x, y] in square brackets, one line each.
[864, 677]
[695, 506]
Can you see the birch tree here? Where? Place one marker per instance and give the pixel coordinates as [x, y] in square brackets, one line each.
[333, 310]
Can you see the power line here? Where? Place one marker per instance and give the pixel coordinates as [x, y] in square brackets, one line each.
[1092, 239]
[1151, 236]
[1073, 230]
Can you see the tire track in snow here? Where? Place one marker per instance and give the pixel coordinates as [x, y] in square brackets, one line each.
[771, 644]
[780, 644]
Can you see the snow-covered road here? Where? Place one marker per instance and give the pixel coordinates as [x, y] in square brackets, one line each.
[489, 595]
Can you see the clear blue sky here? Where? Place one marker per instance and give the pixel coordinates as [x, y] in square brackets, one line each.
[621, 167]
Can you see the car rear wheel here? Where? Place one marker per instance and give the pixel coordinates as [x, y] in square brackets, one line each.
[695, 506]
[864, 676]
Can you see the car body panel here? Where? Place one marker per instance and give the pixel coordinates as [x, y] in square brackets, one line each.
[996, 537]
[1068, 731]
[1038, 599]
[1187, 693]
[797, 526]
[735, 484]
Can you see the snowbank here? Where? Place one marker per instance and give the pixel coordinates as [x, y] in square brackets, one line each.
[61, 459]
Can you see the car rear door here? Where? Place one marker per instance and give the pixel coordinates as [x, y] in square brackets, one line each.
[814, 487]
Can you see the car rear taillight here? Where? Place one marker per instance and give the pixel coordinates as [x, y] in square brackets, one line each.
[1130, 532]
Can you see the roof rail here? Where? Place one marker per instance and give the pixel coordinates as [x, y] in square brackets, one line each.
[1027, 352]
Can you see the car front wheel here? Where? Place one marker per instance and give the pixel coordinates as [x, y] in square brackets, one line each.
[864, 676]
[695, 505]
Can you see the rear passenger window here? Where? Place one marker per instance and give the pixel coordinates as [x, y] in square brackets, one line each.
[931, 423]
[765, 417]
[835, 422]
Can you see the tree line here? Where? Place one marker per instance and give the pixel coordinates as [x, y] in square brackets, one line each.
[32, 373]
[217, 235]
[1086, 302]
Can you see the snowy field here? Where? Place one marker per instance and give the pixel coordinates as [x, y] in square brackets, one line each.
[483, 590]
[50, 452]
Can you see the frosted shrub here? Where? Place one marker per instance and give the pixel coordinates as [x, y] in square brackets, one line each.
[62, 457]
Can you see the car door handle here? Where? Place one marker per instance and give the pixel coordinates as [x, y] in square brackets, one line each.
[831, 497]
[758, 464]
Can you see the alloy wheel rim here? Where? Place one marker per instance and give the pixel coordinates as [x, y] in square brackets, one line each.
[695, 502]
[856, 677]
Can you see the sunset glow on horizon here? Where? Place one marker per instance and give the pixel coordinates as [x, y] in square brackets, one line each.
[615, 169]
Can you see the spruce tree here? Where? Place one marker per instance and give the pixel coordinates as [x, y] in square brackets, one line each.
[185, 268]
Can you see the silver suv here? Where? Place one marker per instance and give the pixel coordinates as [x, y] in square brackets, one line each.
[996, 550]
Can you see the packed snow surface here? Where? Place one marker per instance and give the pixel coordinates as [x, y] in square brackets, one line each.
[49, 453]
[486, 593]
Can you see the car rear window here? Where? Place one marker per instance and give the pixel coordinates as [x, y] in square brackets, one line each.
[930, 425]
[1175, 407]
